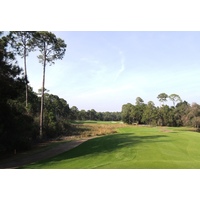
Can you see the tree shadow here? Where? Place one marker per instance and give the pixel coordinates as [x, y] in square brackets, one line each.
[106, 144]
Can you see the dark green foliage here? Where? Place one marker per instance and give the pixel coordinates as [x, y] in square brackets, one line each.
[75, 114]
[16, 128]
[127, 113]
[150, 114]
[56, 113]
[19, 122]
[182, 114]
[133, 113]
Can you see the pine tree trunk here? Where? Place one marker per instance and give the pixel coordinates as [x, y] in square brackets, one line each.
[42, 101]
[26, 78]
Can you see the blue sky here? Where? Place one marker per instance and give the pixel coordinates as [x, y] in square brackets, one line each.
[103, 70]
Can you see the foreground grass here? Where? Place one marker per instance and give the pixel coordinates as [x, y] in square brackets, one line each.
[133, 147]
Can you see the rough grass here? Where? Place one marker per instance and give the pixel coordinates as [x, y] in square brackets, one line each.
[93, 128]
[133, 148]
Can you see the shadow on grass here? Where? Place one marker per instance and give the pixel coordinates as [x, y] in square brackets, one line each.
[106, 144]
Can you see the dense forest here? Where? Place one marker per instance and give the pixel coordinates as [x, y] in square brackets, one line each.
[180, 114]
[28, 117]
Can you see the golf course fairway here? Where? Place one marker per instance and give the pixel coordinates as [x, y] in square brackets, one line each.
[133, 147]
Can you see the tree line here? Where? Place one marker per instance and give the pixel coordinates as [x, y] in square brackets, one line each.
[27, 117]
[94, 115]
[180, 114]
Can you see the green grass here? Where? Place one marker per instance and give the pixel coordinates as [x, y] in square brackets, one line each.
[133, 148]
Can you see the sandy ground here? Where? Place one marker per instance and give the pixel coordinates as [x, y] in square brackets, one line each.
[25, 158]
